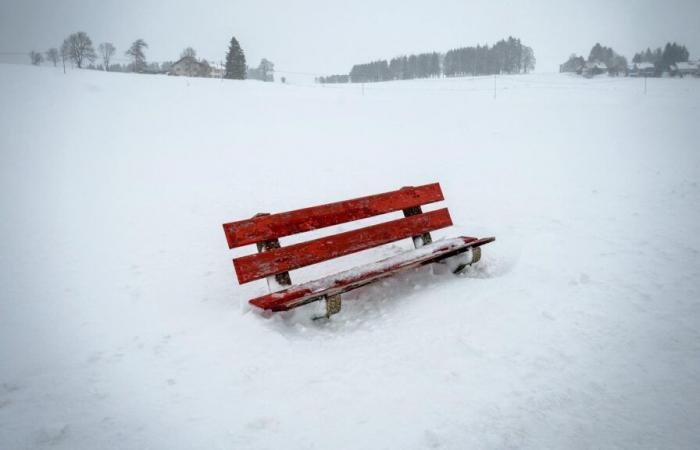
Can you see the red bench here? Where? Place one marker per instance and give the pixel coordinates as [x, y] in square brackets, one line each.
[274, 262]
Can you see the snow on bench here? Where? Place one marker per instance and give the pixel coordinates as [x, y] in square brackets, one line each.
[274, 262]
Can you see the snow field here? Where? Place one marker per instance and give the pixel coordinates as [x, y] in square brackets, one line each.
[122, 326]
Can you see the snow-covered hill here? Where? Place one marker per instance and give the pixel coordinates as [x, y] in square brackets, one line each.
[122, 326]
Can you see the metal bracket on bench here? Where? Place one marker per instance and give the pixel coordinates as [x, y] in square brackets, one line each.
[332, 306]
[421, 239]
[281, 280]
[475, 253]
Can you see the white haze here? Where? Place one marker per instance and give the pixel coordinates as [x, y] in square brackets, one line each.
[326, 37]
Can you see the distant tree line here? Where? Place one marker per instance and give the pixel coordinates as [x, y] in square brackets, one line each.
[616, 64]
[370, 72]
[424, 65]
[148, 68]
[671, 54]
[506, 56]
[333, 79]
[78, 50]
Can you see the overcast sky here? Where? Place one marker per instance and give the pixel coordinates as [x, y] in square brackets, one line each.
[326, 36]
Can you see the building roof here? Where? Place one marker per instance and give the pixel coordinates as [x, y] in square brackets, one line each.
[188, 59]
[596, 65]
[690, 65]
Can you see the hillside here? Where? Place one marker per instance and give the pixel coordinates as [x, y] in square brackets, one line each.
[122, 325]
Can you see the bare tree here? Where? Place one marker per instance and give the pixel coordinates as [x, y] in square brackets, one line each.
[188, 52]
[528, 59]
[267, 69]
[52, 55]
[107, 50]
[80, 48]
[36, 58]
[137, 56]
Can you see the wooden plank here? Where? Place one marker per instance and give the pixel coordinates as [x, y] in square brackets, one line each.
[358, 277]
[263, 228]
[253, 267]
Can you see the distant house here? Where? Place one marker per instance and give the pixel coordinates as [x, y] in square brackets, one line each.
[682, 69]
[644, 69]
[591, 69]
[189, 67]
[574, 64]
[217, 71]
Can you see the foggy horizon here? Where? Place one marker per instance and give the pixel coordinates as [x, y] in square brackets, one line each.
[320, 38]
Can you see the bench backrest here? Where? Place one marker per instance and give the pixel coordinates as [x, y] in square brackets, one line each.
[272, 259]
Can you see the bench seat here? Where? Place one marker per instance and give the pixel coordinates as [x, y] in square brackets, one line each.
[338, 283]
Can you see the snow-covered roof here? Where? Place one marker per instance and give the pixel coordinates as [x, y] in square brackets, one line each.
[644, 65]
[189, 59]
[597, 65]
[686, 65]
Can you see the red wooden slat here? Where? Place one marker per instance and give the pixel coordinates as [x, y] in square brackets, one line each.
[253, 267]
[250, 231]
[348, 280]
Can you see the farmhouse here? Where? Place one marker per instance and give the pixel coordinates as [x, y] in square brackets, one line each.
[217, 70]
[644, 69]
[189, 67]
[573, 64]
[594, 68]
[685, 68]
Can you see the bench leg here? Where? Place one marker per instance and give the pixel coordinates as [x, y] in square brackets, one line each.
[475, 254]
[332, 306]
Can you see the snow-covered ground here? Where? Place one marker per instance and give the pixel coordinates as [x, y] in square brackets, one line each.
[122, 325]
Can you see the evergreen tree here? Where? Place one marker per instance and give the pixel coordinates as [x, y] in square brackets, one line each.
[396, 67]
[602, 54]
[674, 53]
[235, 61]
[371, 72]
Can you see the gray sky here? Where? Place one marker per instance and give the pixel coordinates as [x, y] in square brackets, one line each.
[326, 36]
